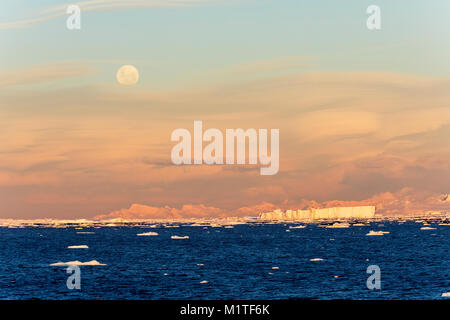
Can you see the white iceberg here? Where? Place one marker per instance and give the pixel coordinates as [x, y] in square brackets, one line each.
[83, 246]
[77, 263]
[316, 259]
[338, 225]
[324, 213]
[179, 237]
[297, 227]
[148, 234]
[427, 228]
[376, 233]
[204, 281]
[446, 295]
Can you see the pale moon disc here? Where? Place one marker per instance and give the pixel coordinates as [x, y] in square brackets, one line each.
[127, 75]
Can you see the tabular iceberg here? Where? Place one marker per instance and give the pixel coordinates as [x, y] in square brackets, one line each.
[326, 213]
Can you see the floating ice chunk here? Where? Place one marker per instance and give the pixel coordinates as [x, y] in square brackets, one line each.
[77, 263]
[446, 295]
[338, 225]
[297, 227]
[288, 230]
[203, 282]
[228, 227]
[148, 234]
[360, 225]
[275, 268]
[427, 228]
[179, 237]
[376, 233]
[316, 259]
[200, 264]
[83, 246]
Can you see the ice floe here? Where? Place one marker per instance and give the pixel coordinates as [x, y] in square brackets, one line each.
[446, 295]
[203, 282]
[83, 246]
[338, 225]
[148, 234]
[376, 233]
[77, 263]
[427, 228]
[179, 237]
[316, 259]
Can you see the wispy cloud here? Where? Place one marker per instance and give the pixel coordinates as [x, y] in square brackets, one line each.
[96, 5]
[44, 72]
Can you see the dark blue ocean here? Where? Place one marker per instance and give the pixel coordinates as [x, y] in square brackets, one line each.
[244, 262]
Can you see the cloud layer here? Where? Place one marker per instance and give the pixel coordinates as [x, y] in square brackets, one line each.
[82, 151]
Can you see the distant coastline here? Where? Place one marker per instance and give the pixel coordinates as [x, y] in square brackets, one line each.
[263, 218]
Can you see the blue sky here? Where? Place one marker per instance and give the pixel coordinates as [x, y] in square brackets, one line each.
[178, 44]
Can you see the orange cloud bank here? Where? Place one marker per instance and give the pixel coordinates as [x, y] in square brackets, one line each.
[404, 202]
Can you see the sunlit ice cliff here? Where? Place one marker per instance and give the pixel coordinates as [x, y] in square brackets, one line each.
[359, 212]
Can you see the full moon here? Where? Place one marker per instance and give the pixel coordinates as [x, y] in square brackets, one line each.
[127, 75]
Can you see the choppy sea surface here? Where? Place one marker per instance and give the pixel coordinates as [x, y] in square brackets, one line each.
[243, 262]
